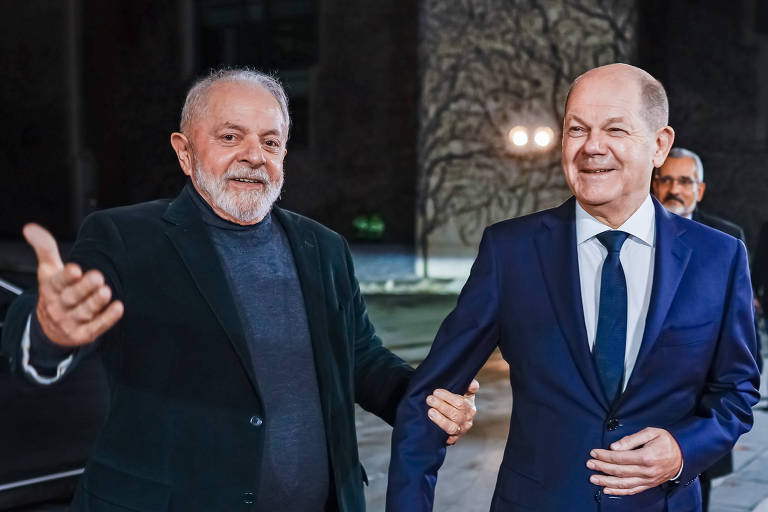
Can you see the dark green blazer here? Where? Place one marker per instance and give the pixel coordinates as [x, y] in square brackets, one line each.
[184, 430]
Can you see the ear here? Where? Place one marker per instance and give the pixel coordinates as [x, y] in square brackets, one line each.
[702, 187]
[665, 137]
[183, 149]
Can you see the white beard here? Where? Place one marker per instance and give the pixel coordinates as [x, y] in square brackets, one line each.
[245, 207]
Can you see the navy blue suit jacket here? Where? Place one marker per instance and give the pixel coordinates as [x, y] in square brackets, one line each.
[695, 376]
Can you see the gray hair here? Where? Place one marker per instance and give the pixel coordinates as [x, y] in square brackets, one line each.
[197, 97]
[652, 94]
[655, 102]
[687, 153]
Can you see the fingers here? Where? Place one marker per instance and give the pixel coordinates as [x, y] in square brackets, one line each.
[59, 279]
[456, 408]
[474, 386]
[616, 482]
[448, 426]
[619, 470]
[626, 492]
[87, 309]
[620, 479]
[452, 413]
[80, 290]
[89, 331]
[631, 457]
[445, 409]
[45, 247]
[454, 400]
[74, 309]
[636, 462]
[635, 440]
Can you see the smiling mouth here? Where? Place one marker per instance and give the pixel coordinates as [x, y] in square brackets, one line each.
[246, 180]
[596, 171]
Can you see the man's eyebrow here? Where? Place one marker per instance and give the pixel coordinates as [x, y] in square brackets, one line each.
[229, 125]
[610, 120]
[232, 126]
[273, 131]
[573, 117]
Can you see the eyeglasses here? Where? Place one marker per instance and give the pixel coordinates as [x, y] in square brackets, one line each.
[683, 181]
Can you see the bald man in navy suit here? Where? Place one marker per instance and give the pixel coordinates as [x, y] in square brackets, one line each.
[628, 330]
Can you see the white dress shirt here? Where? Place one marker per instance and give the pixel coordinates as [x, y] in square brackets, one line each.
[637, 256]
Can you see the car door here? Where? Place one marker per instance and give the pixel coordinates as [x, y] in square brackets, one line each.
[45, 431]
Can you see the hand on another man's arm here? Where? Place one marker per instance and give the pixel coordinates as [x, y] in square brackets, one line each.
[636, 462]
[453, 413]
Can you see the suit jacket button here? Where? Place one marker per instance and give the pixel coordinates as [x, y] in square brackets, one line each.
[612, 424]
[249, 498]
[255, 421]
[597, 496]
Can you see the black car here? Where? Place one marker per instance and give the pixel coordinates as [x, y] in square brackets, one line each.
[45, 431]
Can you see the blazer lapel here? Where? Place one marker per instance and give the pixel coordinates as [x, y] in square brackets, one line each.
[556, 247]
[310, 270]
[188, 235]
[670, 262]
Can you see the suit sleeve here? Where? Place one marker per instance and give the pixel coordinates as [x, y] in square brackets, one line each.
[725, 407]
[463, 344]
[98, 246]
[380, 376]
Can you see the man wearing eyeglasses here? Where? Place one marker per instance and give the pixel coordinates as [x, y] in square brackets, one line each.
[679, 185]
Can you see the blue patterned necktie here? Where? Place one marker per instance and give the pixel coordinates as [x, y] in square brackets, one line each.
[611, 337]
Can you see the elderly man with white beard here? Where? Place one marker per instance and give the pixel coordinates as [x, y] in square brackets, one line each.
[233, 332]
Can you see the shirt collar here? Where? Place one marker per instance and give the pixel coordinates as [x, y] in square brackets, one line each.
[641, 224]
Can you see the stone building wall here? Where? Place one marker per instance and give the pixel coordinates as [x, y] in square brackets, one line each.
[487, 66]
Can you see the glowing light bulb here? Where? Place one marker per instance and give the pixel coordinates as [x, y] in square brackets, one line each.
[518, 136]
[543, 136]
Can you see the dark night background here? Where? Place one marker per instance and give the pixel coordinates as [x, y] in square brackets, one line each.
[349, 68]
[92, 90]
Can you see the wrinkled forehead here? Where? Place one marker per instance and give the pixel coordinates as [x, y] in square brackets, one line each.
[241, 103]
[605, 96]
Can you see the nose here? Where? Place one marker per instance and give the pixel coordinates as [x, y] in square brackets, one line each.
[252, 153]
[594, 144]
[675, 186]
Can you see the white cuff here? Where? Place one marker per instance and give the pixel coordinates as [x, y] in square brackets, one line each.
[30, 370]
[682, 464]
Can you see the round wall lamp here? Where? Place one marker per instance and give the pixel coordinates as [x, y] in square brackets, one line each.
[522, 143]
[543, 136]
[518, 136]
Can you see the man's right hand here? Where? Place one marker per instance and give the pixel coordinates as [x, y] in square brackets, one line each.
[73, 308]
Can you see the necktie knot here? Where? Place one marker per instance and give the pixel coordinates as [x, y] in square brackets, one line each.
[613, 240]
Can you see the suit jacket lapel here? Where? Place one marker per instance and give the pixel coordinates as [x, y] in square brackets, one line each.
[556, 247]
[191, 240]
[670, 262]
[310, 270]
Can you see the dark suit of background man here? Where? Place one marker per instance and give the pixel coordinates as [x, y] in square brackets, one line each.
[628, 330]
[244, 341]
[679, 185]
[760, 268]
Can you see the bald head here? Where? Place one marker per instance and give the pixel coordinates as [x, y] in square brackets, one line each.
[655, 105]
